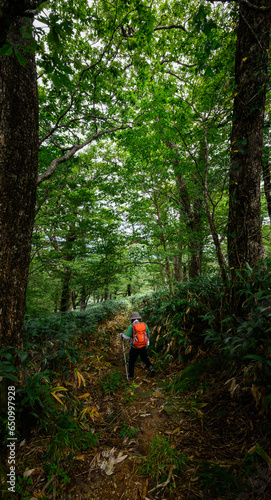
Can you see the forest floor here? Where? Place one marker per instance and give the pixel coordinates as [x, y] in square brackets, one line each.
[217, 434]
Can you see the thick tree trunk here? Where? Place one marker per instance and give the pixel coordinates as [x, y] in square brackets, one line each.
[18, 182]
[245, 243]
[267, 186]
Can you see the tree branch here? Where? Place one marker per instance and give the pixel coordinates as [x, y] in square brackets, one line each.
[255, 7]
[170, 27]
[71, 153]
[178, 62]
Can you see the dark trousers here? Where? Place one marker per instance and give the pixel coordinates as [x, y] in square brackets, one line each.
[142, 352]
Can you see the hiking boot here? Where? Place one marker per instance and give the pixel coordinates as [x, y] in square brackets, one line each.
[151, 371]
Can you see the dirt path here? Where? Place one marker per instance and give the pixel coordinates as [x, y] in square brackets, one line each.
[204, 426]
[130, 418]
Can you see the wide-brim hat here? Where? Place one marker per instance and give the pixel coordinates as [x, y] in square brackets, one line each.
[135, 315]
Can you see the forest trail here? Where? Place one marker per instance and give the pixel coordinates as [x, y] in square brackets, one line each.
[129, 419]
[153, 444]
[204, 428]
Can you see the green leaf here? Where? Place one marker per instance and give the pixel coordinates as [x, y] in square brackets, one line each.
[60, 80]
[9, 376]
[22, 60]
[6, 50]
[23, 356]
[260, 359]
[248, 267]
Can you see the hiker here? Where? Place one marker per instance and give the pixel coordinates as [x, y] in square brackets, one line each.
[138, 333]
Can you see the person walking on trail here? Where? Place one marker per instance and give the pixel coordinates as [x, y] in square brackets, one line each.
[139, 334]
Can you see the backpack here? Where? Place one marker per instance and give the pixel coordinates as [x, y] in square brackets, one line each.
[140, 337]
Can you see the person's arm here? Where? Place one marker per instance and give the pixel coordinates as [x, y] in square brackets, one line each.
[129, 333]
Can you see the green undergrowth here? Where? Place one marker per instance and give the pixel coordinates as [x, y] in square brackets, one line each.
[197, 318]
[50, 387]
[216, 357]
[176, 321]
[245, 339]
[112, 381]
[163, 461]
[193, 376]
[128, 431]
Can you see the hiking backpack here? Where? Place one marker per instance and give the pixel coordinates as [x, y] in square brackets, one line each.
[140, 337]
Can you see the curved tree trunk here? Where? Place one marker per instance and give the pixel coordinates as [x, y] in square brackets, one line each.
[18, 182]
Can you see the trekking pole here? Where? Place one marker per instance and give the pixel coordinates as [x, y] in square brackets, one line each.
[124, 354]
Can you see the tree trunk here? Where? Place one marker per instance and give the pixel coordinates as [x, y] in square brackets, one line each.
[66, 294]
[267, 186]
[73, 299]
[245, 243]
[84, 298]
[163, 240]
[178, 264]
[12, 10]
[193, 216]
[194, 226]
[196, 240]
[204, 155]
[18, 183]
[66, 300]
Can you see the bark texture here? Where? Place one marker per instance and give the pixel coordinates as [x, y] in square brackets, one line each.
[194, 226]
[267, 186]
[245, 242]
[18, 181]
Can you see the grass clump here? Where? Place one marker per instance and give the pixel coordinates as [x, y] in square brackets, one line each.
[128, 431]
[112, 381]
[162, 460]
